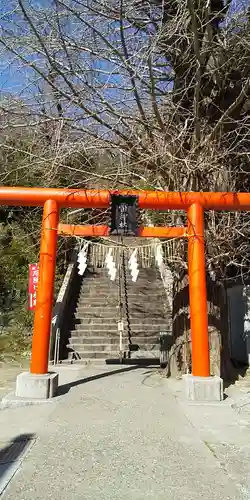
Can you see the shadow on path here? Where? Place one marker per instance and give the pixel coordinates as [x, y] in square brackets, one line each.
[63, 389]
[11, 456]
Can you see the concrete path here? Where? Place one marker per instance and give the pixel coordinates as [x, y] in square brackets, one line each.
[124, 435]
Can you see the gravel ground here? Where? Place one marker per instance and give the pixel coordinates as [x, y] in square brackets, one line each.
[8, 374]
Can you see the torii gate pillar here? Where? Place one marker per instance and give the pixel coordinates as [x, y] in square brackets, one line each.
[199, 386]
[39, 384]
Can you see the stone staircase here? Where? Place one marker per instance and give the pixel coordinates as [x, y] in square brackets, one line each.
[94, 335]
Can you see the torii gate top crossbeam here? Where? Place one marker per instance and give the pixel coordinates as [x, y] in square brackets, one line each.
[154, 200]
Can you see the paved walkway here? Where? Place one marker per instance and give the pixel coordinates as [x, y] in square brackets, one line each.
[126, 435]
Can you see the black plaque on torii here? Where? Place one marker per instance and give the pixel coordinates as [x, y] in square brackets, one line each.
[124, 215]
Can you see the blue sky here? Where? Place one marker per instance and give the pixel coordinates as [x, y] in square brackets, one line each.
[20, 81]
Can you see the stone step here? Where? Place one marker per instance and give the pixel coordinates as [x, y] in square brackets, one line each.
[143, 274]
[113, 321]
[87, 304]
[115, 314]
[135, 306]
[146, 272]
[135, 299]
[113, 288]
[94, 348]
[104, 297]
[86, 362]
[102, 319]
[141, 354]
[113, 326]
[143, 285]
[95, 355]
[75, 339]
[114, 307]
[109, 295]
[113, 361]
[102, 289]
[110, 348]
[113, 311]
[104, 280]
[109, 285]
[89, 356]
[96, 299]
[111, 332]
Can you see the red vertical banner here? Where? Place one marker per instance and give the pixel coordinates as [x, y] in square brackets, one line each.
[33, 282]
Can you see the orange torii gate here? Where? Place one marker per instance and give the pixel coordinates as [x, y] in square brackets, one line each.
[193, 203]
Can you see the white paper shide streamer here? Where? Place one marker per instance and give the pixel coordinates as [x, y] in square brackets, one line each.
[133, 265]
[159, 256]
[82, 259]
[110, 264]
